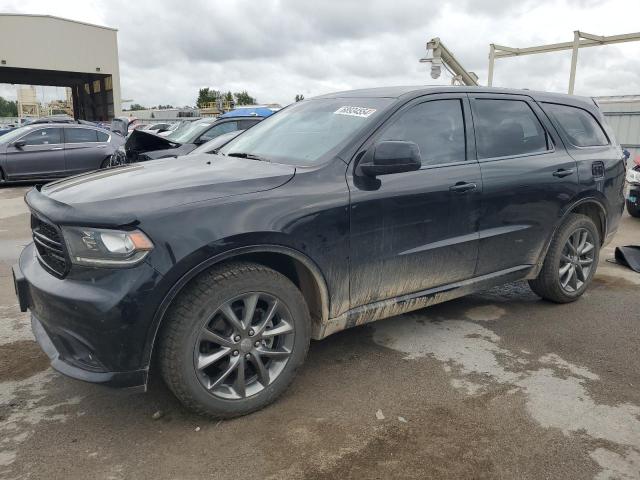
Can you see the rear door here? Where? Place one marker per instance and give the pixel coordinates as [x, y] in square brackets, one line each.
[85, 149]
[417, 230]
[527, 175]
[41, 156]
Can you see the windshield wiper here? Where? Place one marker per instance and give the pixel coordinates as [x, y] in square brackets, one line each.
[250, 156]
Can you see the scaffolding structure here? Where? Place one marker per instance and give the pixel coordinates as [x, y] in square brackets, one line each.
[580, 40]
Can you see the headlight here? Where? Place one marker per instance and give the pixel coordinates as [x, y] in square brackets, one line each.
[96, 247]
[633, 176]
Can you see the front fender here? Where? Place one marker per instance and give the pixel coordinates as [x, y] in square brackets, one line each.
[186, 276]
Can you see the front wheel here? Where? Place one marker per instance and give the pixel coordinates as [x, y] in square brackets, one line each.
[633, 209]
[571, 261]
[234, 340]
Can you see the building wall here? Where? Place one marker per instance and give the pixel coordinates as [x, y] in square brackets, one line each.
[623, 115]
[49, 43]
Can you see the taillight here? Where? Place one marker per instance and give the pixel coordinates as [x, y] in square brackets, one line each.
[637, 160]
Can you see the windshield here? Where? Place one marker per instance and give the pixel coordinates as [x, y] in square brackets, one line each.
[190, 132]
[304, 132]
[13, 134]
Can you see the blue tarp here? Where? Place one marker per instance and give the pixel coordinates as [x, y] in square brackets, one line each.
[248, 112]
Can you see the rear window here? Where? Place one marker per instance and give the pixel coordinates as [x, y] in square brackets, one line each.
[580, 127]
[506, 128]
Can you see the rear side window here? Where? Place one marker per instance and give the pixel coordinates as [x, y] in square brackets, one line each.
[80, 135]
[437, 127]
[44, 136]
[506, 128]
[102, 136]
[580, 127]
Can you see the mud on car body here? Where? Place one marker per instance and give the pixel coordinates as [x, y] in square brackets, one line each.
[337, 211]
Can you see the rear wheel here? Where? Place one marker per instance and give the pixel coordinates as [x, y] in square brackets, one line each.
[234, 340]
[633, 209]
[571, 261]
[106, 163]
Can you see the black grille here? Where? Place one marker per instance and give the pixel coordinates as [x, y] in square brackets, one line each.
[50, 246]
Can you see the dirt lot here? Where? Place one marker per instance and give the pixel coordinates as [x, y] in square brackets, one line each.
[496, 385]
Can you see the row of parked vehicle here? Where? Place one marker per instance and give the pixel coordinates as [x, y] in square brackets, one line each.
[59, 146]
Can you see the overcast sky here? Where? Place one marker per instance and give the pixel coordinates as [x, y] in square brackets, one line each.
[276, 49]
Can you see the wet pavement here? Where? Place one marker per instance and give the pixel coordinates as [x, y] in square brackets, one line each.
[496, 385]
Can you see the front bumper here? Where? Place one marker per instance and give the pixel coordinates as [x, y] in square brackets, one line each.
[632, 194]
[94, 324]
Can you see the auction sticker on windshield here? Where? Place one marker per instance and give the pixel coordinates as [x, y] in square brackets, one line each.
[355, 111]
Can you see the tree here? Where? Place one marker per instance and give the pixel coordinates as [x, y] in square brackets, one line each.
[299, 97]
[243, 98]
[8, 108]
[207, 95]
[137, 106]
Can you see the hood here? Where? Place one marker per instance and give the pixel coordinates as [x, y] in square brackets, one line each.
[140, 141]
[122, 195]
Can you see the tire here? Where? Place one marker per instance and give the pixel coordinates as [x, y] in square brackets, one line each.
[106, 163]
[185, 346]
[633, 209]
[550, 281]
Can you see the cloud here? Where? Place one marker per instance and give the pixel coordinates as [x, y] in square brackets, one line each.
[278, 48]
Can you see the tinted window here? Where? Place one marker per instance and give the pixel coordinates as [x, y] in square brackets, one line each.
[507, 127]
[437, 127]
[103, 136]
[80, 135]
[219, 130]
[44, 136]
[244, 124]
[579, 125]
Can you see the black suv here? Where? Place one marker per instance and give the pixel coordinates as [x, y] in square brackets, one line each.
[334, 212]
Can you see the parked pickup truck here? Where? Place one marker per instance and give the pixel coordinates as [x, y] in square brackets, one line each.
[337, 211]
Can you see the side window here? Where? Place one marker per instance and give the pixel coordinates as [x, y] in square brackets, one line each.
[80, 135]
[507, 127]
[44, 136]
[578, 125]
[103, 136]
[244, 124]
[219, 130]
[437, 127]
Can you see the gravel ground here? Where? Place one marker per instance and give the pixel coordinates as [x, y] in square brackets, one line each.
[495, 385]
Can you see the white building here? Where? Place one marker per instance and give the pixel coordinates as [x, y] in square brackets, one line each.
[623, 115]
[46, 50]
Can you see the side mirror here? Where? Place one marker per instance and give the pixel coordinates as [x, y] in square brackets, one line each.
[390, 156]
[19, 144]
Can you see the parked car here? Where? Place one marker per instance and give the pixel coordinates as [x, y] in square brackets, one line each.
[123, 126]
[142, 146]
[44, 151]
[337, 211]
[157, 127]
[632, 190]
[212, 146]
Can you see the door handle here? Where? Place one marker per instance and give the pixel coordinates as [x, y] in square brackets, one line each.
[563, 172]
[462, 187]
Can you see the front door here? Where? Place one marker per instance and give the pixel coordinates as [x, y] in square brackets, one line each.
[38, 154]
[527, 176]
[417, 230]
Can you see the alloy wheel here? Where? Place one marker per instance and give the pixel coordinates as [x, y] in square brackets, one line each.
[244, 346]
[576, 260]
